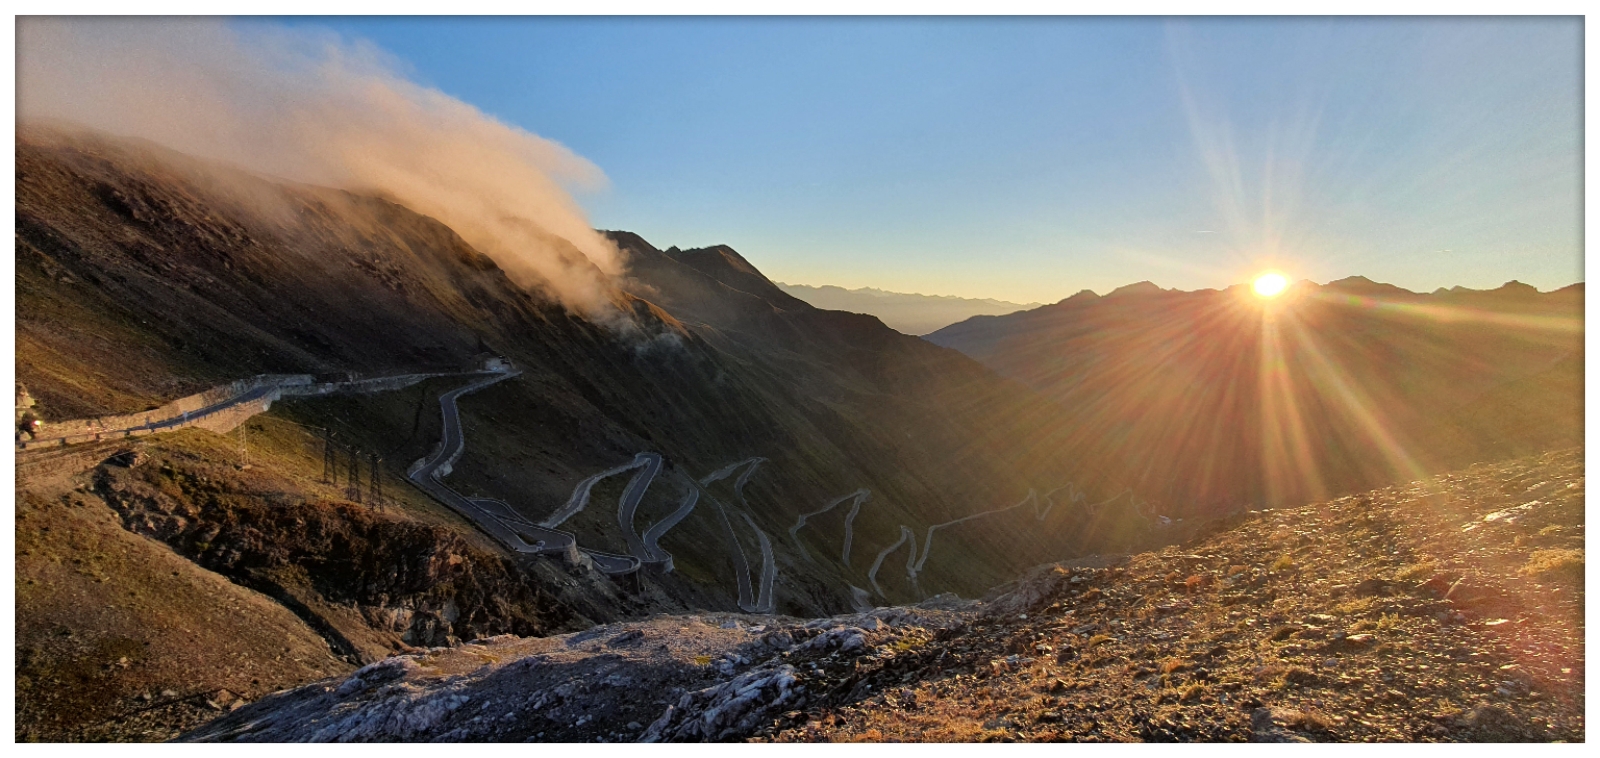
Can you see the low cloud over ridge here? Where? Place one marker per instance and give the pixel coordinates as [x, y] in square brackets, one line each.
[316, 108]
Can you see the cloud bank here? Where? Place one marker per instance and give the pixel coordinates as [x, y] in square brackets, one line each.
[316, 108]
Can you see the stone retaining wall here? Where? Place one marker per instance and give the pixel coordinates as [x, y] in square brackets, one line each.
[77, 429]
[220, 420]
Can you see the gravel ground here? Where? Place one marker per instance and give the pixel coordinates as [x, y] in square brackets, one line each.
[1445, 610]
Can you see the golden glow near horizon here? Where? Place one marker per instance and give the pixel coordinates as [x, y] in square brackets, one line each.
[1271, 284]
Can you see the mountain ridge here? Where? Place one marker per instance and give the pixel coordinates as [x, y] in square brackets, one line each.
[1209, 376]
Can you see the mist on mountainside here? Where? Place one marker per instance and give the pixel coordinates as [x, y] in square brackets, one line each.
[314, 108]
[908, 313]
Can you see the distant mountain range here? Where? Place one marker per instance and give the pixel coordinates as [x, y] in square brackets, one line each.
[907, 313]
[1216, 398]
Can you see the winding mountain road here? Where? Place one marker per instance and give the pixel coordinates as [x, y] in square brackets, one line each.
[496, 517]
[754, 597]
[749, 600]
[580, 494]
[653, 535]
[905, 534]
[544, 540]
[520, 534]
[916, 561]
[649, 465]
[861, 496]
[252, 395]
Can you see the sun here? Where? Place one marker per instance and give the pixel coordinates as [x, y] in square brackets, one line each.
[1271, 284]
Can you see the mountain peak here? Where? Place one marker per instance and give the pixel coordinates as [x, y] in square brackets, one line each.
[1137, 288]
[1360, 285]
[725, 265]
[1515, 288]
[1082, 296]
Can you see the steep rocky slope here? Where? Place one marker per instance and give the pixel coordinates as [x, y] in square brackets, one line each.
[166, 583]
[1209, 399]
[1449, 609]
[119, 637]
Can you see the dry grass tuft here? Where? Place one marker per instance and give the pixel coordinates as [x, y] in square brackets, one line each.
[1563, 563]
[1280, 676]
[1417, 572]
[1384, 622]
[905, 643]
[1355, 607]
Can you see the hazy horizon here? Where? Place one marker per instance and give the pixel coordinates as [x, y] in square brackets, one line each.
[1242, 282]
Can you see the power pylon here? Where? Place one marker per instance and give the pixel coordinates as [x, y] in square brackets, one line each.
[244, 449]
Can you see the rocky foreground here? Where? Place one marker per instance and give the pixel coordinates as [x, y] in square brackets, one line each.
[1444, 610]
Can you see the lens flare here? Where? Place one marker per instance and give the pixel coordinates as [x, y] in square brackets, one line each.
[1271, 284]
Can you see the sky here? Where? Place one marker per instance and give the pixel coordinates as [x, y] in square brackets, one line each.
[1026, 159]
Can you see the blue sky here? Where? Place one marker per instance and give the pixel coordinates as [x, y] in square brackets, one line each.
[1026, 159]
